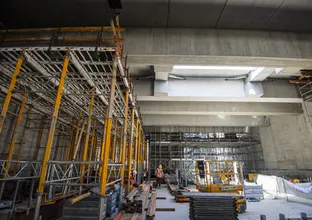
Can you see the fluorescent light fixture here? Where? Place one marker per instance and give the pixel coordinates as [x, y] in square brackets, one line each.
[182, 67]
[278, 70]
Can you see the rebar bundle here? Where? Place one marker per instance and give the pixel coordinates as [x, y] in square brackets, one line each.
[212, 207]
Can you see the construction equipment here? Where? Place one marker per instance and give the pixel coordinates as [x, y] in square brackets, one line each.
[226, 176]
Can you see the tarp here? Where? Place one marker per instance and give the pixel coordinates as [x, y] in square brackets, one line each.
[278, 187]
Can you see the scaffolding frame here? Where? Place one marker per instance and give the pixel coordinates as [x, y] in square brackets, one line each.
[73, 87]
[179, 147]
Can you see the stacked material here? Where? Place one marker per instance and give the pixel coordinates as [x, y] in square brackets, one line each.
[137, 199]
[253, 191]
[212, 207]
[84, 209]
[120, 198]
[111, 203]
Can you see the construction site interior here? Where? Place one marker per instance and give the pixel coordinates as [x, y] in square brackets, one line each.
[156, 109]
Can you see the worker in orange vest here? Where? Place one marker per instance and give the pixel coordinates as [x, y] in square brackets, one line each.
[159, 175]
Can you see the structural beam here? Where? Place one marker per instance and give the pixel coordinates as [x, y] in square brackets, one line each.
[219, 108]
[10, 90]
[50, 137]
[219, 99]
[216, 47]
[206, 120]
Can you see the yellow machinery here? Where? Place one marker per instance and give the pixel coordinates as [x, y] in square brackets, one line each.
[226, 176]
[252, 177]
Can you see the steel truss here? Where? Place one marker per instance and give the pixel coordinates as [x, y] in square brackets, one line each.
[84, 94]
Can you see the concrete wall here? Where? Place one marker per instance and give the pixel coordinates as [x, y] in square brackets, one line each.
[279, 89]
[287, 143]
[143, 87]
[29, 139]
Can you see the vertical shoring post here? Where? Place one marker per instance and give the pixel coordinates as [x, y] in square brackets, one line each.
[13, 140]
[58, 140]
[139, 152]
[106, 142]
[86, 145]
[19, 150]
[130, 148]
[93, 145]
[39, 137]
[136, 144]
[103, 140]
[15, 130]
[120, 145]
[70, 142]
[47, 152]
[138, 155]
[124, 141]
[79, 123]
[143, 150]
[113, 152]
[10, 90]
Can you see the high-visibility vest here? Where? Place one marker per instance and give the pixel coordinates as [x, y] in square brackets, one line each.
[159, 173]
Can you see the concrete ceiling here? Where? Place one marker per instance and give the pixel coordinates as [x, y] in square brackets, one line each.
[284, 15]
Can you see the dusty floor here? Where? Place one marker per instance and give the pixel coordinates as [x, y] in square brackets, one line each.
[271, 208]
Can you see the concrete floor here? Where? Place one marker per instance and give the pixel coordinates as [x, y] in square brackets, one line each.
[271, 208]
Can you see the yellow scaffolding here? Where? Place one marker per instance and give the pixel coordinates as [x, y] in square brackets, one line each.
[79, 79]
[10, 90]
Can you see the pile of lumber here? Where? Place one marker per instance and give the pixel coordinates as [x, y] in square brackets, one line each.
[136, 200]
[172, 189]
[212, 207]
[151, 211]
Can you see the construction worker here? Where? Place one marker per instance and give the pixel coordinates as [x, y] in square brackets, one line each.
[159, 176]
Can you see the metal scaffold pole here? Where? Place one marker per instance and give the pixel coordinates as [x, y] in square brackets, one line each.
[130, 149]
[106, 143]
[19, 150]
[124, 141]
[93, 146]
[50, 137]
[113, 152]
[70, 142]
[86, 145]
[9, 93]
[13, 140]
[120, 145]
[136, 145]
[15, 130]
